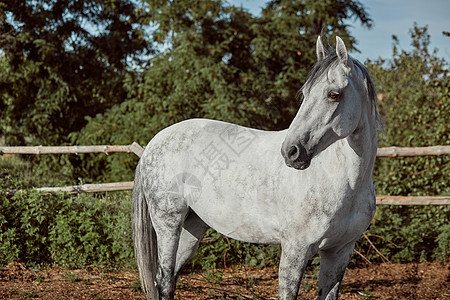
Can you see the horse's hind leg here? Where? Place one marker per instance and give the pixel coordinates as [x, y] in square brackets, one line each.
[332, 268]
[193, 230]
[168, 215]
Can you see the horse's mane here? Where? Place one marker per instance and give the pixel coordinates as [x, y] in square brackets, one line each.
[325, 64]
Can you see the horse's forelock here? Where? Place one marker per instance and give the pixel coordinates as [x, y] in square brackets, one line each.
[318, 69]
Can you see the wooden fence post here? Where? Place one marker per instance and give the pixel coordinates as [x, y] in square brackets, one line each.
[137, 149]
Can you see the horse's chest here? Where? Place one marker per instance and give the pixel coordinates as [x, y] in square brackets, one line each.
[327, 219]
[348, 223]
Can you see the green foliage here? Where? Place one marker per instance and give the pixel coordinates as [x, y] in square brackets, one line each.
[66, 230]
[61, 62]
[417, 234]
[55, 175]
[443, 242]
[81, 233]
[73, 277]
[414, 89]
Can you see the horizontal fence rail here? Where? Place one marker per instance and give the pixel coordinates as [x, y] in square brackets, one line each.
[413, 151]
[91, 188]
[107, 149]
[413, 200]
[128, 185]
[138, 150]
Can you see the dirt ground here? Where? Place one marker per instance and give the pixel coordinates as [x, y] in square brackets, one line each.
[383, 281]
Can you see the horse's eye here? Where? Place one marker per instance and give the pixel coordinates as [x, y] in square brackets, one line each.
[333, 95]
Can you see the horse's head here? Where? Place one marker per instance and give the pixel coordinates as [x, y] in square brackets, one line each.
[333, 98]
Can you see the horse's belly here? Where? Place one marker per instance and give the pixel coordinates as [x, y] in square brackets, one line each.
[247, 219]
[243, 226]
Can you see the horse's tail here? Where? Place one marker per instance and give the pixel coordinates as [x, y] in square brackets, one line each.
[144, 236]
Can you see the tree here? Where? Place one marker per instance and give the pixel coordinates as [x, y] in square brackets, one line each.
[222, 63]
[62, 60]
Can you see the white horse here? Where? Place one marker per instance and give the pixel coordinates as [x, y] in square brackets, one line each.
[315, 196]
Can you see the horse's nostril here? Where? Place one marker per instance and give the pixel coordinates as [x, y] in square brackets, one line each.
[293, 153]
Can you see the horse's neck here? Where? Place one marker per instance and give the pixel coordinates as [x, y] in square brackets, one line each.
[360, 150]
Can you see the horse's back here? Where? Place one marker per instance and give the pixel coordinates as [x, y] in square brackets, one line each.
[202, 140]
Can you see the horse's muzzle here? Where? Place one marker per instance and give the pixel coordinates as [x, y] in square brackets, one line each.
[296, 157]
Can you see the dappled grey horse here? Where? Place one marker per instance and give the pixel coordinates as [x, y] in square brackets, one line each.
[315, 196]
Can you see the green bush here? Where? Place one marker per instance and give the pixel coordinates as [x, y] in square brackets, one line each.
[26, 170]
[409, 233]
[66, 230]
[88, 229]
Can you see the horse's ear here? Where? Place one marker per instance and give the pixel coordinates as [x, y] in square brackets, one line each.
[321, 51]
[341, 50]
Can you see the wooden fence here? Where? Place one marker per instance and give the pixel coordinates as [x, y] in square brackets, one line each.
[138, 150]
[133, 148]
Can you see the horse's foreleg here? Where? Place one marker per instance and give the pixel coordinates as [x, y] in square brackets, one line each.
[332, 268]
[294, 258]
[193, 230]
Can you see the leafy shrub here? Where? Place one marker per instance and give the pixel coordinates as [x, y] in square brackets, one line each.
[443, 243]
[414, 88]
[67, 230]
[25, 222]
[87, 230]
[409, 233]
[32, 174]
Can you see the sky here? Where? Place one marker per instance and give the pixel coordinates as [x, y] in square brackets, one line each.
[391, 17]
